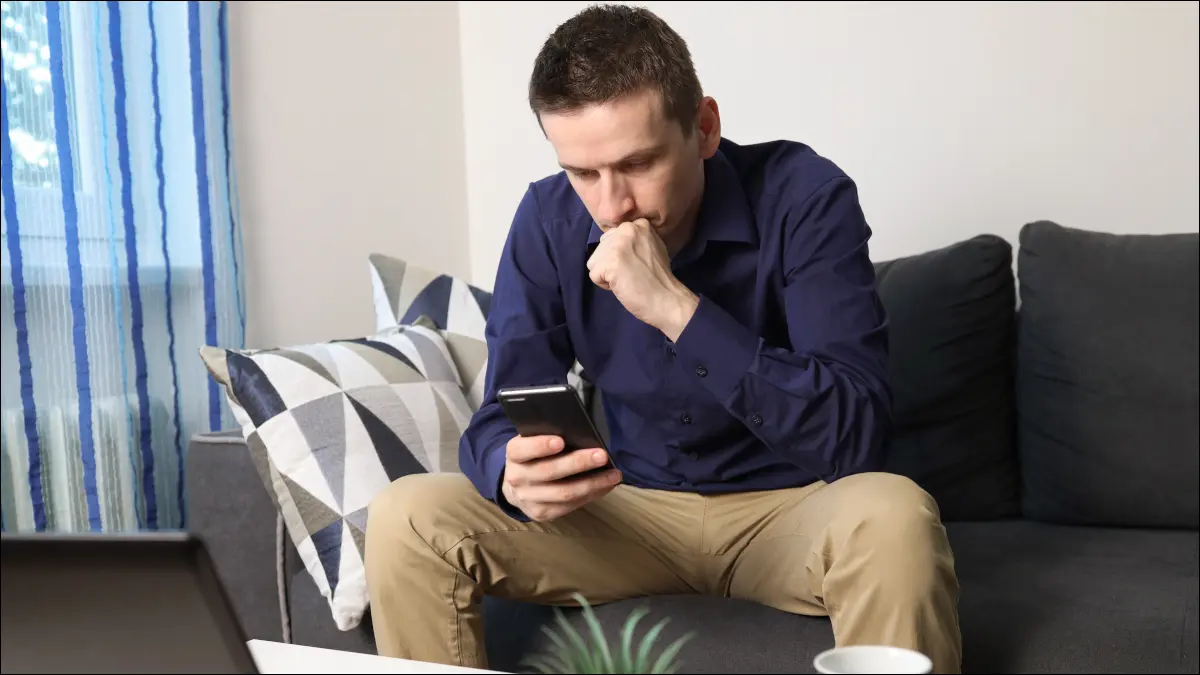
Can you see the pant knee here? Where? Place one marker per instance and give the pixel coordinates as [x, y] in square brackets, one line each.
[407, 510]
[890, 503]
[892, 523]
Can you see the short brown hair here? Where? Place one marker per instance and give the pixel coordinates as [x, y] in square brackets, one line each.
[608, 51]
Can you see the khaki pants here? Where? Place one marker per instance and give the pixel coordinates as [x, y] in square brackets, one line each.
[868, 551]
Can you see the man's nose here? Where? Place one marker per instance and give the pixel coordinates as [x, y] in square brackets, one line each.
[616, 203]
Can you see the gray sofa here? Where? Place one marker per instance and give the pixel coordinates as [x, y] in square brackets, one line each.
[1060, 440]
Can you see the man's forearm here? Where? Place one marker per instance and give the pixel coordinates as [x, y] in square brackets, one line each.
[823, 416]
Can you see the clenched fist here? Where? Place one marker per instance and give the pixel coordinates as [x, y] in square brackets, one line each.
[632, 262]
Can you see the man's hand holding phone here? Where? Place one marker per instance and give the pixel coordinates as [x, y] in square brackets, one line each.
[546, 483]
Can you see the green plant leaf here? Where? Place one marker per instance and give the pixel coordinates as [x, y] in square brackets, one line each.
[586, 652]
[600, 644]
[643, 657]
[627, 632]
[555, 660]
[559, 644]
[547, 665]
[666, 661]
[583, 654]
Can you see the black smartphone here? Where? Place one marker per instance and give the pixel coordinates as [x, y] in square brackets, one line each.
[552, 410]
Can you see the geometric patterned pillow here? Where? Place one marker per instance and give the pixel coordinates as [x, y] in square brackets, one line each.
[330, 425]
[406, 294]
[470, 359]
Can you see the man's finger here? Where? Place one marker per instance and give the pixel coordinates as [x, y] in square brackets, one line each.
[548, 512]
[568, 464]
[570, 490]
[597, 278]
[528, 448]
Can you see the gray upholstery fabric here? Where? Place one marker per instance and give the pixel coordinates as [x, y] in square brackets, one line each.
[1109, 377]
[1036, 598]
[312, 623]
[1057, 599]
[232, 513]
[951, 333]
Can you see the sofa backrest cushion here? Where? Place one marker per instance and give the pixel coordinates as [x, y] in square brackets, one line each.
[952, 343]
[1107, 377]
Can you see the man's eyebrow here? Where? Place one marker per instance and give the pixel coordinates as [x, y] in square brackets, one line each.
[636, 155]
[641, 155]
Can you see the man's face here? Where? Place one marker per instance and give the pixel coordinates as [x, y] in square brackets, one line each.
[627, 160]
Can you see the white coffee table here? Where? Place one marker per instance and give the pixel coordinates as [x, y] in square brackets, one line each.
[277, 657]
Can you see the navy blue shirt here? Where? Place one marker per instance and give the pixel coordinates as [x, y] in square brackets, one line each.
[778, 380]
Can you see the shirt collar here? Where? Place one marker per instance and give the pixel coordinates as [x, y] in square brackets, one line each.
[724, 210]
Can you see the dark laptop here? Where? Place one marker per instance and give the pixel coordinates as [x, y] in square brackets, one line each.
[115, 603]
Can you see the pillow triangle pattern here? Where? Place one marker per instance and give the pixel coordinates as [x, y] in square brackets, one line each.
[331, 425]
[357, 524]
[409, 295]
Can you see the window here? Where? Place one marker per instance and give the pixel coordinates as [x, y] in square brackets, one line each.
[24, 32]
[31, 105]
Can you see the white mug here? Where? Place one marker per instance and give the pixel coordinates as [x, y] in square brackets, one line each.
[871, 659]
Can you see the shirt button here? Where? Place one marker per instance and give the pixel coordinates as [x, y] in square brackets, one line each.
[693, 456]
[756, 419]
[671, 349]
[701, 371]
[686, 418]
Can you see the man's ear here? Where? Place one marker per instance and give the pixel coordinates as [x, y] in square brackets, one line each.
[708, 127]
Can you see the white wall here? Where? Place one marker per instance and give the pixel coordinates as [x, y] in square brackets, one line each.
[348, 128]
[955, 119]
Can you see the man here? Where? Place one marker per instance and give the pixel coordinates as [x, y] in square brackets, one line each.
[722, 299]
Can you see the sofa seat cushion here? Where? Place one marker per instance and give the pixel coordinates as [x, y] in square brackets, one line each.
[1054, 599]
[1036, 598]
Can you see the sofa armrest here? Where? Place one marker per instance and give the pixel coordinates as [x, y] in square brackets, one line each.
[230, 509]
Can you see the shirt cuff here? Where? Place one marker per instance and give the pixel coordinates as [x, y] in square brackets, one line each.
[494, 468]
[717, 348]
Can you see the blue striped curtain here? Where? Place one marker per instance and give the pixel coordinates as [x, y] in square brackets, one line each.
[121, 258]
